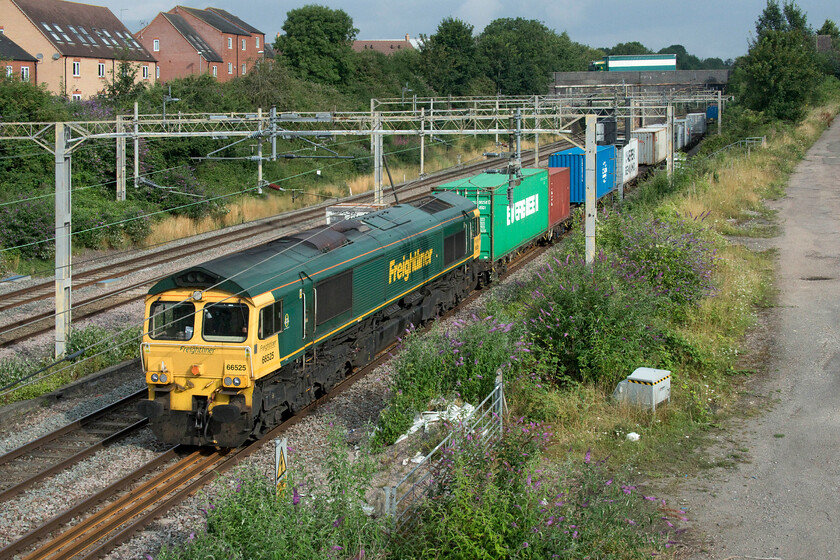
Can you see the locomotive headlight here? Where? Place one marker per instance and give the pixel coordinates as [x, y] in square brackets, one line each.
[163, 378]
[228, 381]
[197, 295]
[237, 382]
[154, 378]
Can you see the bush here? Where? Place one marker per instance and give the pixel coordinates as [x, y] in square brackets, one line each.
[26, 225]
[458, 363]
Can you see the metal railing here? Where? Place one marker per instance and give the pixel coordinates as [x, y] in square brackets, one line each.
[748, 143]
[485, 425]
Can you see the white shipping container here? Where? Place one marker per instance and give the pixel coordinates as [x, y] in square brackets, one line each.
[628, 162]
[653, 144]
[697, 124]
[679, 134]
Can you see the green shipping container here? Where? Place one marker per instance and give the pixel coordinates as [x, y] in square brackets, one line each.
[506, 228]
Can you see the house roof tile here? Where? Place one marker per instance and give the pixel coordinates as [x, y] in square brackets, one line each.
[192, 37]
[83, 30]
[9, 50]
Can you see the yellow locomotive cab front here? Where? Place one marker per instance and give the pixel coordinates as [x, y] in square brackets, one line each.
[199, 366]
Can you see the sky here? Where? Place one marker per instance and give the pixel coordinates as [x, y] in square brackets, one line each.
[706, 28]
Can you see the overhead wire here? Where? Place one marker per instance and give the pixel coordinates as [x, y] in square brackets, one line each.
[188, 205]
[30, 377]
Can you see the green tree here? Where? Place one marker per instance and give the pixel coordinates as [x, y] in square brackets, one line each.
[448, 58]
[631, 48]
[830, 28]
[518, 55]
[685, 60]
[122, 88]
[780, 72]
[317, 43]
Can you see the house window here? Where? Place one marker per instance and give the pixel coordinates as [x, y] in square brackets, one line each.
[24, 73]
[157, 72]
[77, 97]
[100, 70]
[257, 39]
[145, 72]
[243, 69]
[230, 67]
[243, 44]
[10, 70]
[215, 71]
[156, 45]
[77, 69]
[230, 42]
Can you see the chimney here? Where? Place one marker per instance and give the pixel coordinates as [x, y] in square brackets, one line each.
[407, 38]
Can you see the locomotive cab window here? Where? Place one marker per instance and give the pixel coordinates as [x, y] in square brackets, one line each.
[171, 320]
[334, 297]
[225, 322]
[271, 319]
[454, 247]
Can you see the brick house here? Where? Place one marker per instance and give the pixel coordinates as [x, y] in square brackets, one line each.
[179, 48]
[17, 61]
[384, 46]
[216, 42]
[79, 47]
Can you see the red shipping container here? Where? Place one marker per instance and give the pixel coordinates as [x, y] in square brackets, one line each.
[558, 195]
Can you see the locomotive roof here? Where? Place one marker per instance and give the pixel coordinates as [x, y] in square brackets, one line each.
[314, 252]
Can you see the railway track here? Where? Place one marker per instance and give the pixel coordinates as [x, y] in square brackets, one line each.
[71, 444]
[41, 322]
[116, 513]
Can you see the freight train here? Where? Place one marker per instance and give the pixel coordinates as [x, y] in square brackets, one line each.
[235, 345]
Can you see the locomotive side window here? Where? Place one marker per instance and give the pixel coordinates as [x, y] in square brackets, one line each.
[171, 320]
[271, 319]
[454, 247]
[225, 322]
[335, 296]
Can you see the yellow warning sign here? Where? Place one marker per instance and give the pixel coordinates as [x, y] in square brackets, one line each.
[280, 457]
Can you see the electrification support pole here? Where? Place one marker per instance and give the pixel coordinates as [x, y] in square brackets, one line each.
[590, 207]
[720, 112]
[259, 152]
[273, 116]
[63, 270]
[120, 159]
[536, 134]
[377, 158]
[628, 120]
[669, 144]
[136, 146]
[423, 141]
[518, 137]
[497, 119]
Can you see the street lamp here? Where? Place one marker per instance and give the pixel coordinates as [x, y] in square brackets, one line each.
[168, 97]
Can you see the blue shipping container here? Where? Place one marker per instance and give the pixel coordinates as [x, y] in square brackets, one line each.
[575, 160]
[711, 112]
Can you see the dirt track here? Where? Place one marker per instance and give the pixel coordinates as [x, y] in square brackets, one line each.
[782, 499]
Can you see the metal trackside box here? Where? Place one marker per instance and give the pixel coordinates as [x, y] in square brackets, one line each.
[645, 387]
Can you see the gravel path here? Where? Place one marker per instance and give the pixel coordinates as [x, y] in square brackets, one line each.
[779, 499]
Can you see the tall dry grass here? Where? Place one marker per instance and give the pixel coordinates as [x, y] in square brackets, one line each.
[273, 203]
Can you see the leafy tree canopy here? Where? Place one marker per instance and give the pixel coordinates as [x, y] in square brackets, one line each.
[780, 72]
[448, 58]
[788, 17]
[518, 55]
[631, 48]
[829, 28]
[317, 43]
